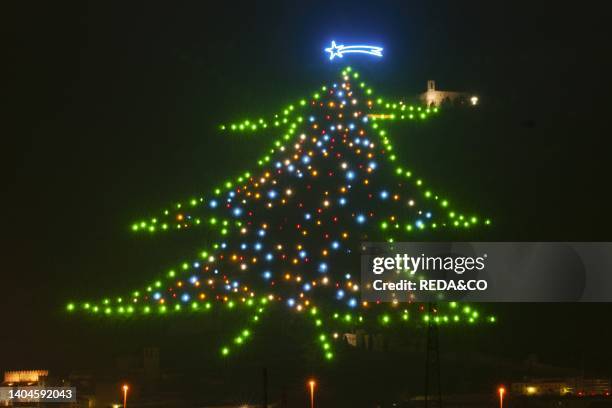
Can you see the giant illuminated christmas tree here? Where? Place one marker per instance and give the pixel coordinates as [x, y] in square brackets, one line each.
[288, 232]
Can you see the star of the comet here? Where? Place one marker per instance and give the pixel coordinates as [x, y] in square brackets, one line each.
[334, 50]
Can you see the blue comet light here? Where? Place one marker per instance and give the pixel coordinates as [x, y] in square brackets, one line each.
[339, 50]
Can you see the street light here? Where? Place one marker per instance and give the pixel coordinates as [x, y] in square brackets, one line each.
[501, 390]
[125, 389]
[311, 385]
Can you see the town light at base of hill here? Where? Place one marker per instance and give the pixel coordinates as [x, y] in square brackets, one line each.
[125, 389]
[501, 391]
[311, 386]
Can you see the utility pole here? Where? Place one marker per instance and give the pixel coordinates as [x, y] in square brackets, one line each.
[284, 398]
[265, 388]
[432, 366]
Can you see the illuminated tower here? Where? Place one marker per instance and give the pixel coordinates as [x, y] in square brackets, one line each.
[434, 98]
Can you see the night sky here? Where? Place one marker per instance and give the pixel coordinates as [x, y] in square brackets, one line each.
[113, 113]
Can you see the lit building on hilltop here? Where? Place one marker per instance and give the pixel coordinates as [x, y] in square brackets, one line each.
[434, 97]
